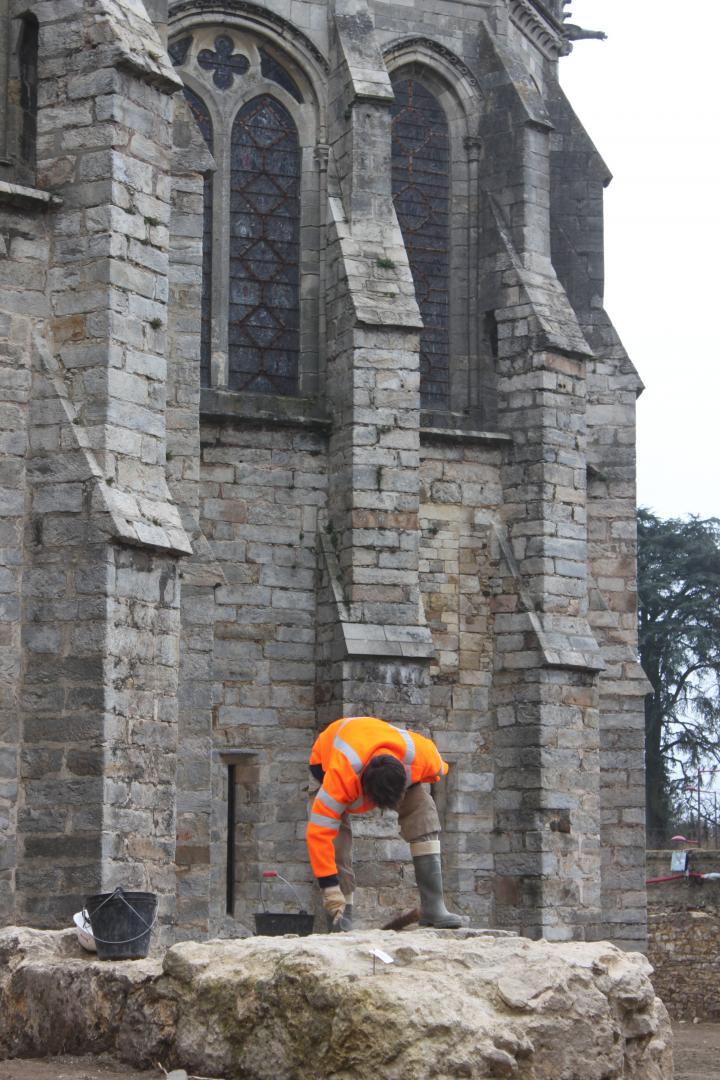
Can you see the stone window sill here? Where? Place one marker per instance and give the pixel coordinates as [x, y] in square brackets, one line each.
[278, 411]
[464, 435]
[458, 427]
[228, 405]
[28, 197]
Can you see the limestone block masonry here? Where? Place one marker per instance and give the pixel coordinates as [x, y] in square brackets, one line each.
[309, 407]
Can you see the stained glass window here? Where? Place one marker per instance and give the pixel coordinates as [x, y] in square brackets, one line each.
[202, 117]
[263, 332]
[421, 192]
[178, 50]
[28, 63]
[274, 71]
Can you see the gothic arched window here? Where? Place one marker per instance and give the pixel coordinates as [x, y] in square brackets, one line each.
[421, 192]
[264, 334]
[258, 113]
[19, 39]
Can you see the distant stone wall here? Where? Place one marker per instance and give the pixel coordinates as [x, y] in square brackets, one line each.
[684, 936]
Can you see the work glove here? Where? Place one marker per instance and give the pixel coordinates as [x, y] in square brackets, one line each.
[334, 902]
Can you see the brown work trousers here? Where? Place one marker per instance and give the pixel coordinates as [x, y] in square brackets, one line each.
[417, 817]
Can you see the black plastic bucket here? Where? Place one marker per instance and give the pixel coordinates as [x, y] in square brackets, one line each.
[274, 923]
[122, 923]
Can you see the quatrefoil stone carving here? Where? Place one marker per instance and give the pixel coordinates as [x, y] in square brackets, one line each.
[223, 62]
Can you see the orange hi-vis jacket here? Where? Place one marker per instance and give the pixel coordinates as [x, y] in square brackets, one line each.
[342, 751]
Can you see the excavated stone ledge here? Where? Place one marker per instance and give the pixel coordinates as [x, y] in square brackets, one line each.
[466, 1004]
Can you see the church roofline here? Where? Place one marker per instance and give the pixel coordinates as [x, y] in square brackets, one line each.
[541, 26]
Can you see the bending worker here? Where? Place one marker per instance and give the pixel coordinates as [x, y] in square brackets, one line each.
[361, 763]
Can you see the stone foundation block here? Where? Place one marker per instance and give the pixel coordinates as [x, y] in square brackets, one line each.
[452, 1004]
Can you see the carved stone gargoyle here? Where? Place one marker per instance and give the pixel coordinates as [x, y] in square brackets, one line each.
[576, 33]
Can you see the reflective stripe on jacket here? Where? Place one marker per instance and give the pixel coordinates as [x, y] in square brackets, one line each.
[343, 750]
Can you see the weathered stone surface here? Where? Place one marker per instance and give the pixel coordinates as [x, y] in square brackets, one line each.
[478, 1005]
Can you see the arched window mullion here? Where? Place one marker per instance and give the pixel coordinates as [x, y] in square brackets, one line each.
[201, 113]
[220, 257]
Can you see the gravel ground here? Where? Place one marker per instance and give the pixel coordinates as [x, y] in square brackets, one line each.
[697, 1057]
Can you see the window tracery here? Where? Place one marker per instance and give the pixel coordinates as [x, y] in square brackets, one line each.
[257, 112]
[278, 74]
[223, 62]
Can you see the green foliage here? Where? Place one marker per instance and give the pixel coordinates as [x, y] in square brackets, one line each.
[679, 631]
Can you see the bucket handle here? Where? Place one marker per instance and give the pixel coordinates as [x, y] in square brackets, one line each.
[274, 874]
[119, 894]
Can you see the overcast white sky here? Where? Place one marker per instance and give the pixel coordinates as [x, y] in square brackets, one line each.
[650, 100]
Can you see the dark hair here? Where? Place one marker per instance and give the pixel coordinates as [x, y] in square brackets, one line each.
[384, 781]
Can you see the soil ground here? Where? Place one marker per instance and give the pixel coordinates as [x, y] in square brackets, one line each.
[697, 1057]
[697, 1051]
[72, 1068]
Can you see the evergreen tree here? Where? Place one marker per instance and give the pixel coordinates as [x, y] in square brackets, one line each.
[679, 630]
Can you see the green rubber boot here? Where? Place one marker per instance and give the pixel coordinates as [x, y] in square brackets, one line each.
[428, 874]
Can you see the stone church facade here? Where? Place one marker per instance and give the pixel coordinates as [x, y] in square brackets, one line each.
[309, 407]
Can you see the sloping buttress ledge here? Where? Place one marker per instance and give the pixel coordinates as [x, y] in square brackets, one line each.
[27, 197]
[305, 412]
[461, 435]
[226, 405]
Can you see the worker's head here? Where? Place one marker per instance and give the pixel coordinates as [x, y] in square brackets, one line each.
[384, 781]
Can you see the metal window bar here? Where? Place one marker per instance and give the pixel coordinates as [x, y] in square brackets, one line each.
[4, 57]
[230, 862]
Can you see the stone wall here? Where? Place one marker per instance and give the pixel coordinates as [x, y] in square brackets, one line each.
[195, 580]
[262, 491]
[684, 936]
[23, 267]
[460, 494]
[98, 617]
